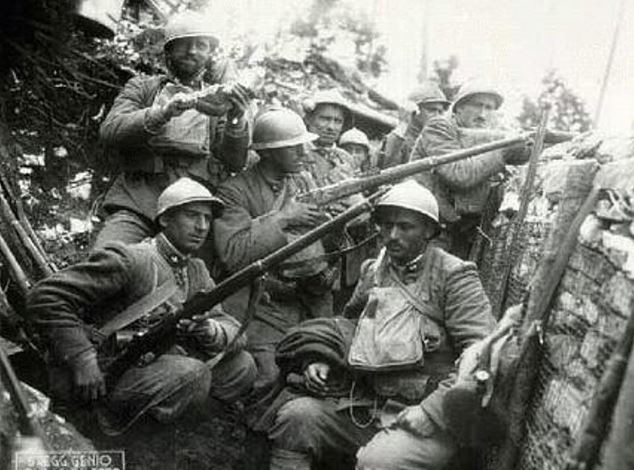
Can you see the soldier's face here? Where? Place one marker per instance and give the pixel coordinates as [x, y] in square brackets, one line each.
[187, 226]
[430, 110]
[403, 232]
[188, 56]
[327, 122]
[288, 159]
[476, 111]
[358, 152]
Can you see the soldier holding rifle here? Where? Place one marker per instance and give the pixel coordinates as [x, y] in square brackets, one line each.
[87, 312]
[463, 188]
[261, 216]
[168, 126]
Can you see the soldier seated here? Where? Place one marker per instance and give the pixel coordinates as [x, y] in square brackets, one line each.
[123, 290]
[375, 388]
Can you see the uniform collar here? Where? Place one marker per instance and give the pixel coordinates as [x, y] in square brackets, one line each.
[411, 267]
[276, 184]
[169, 252]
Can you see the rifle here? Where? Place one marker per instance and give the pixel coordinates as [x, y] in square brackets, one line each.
[542, 292]
[159, 338]
[478, 136]
[28, 424]
[333, 192]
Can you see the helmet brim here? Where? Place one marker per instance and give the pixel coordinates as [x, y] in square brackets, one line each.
[499, 99]
[215, 42]
[217, 206]
[301, 139]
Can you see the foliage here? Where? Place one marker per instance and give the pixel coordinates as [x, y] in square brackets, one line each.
[567, 110]
[443, 69]
[330, 22]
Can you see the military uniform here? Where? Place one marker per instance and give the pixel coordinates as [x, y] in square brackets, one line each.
[70, 307]
[456, 314]
[248, 231]
[462, 188]
[205, 148]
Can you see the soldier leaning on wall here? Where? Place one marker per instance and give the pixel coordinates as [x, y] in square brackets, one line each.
[464, 187]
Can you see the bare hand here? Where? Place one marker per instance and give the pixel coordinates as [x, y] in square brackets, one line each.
[297, 214]
[240, 99]
[89, 382]
[178, 104]
[415, 420]
[520, 154]
[205, 330]
[316, 377]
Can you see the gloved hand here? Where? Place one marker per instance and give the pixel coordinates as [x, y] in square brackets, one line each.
[88, 380]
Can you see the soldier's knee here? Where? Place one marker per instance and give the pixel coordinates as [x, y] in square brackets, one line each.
[233, 378]
[297, 424]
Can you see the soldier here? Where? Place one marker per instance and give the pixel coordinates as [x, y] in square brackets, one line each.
[463, 188]
[430, 101]
[160, 137]
[261, 216]
[328, 114]
[377, 385]
[121, 290]
[356, 143]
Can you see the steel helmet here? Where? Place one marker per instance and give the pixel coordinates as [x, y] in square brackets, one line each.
[279, 127]
[475, 87]
[330, 96]
[411, 195]
[189, 24]
[183, 191]
[354, 136]
[429, 92]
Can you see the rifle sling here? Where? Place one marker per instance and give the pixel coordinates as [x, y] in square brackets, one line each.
[145, 304]
[254, 298]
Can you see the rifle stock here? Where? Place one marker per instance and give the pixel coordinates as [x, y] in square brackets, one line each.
[158, 339]
[333, 192]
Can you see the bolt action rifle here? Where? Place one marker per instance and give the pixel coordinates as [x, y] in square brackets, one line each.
[330, 193]
[161, 337]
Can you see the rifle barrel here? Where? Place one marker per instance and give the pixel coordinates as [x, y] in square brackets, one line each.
[330, 193]
[158, 339]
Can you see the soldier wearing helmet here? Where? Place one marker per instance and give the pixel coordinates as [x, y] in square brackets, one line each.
[161, 134]
[356, 143]
[261, 216]
[124, 289]
[327, 115]
[430, 101]
[377, 391]
[466, 187]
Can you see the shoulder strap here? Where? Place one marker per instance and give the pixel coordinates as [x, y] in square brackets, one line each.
[413, 299]
[145, 304]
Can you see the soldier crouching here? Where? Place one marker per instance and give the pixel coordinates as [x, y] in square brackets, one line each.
[122, 290]
[375, 387]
